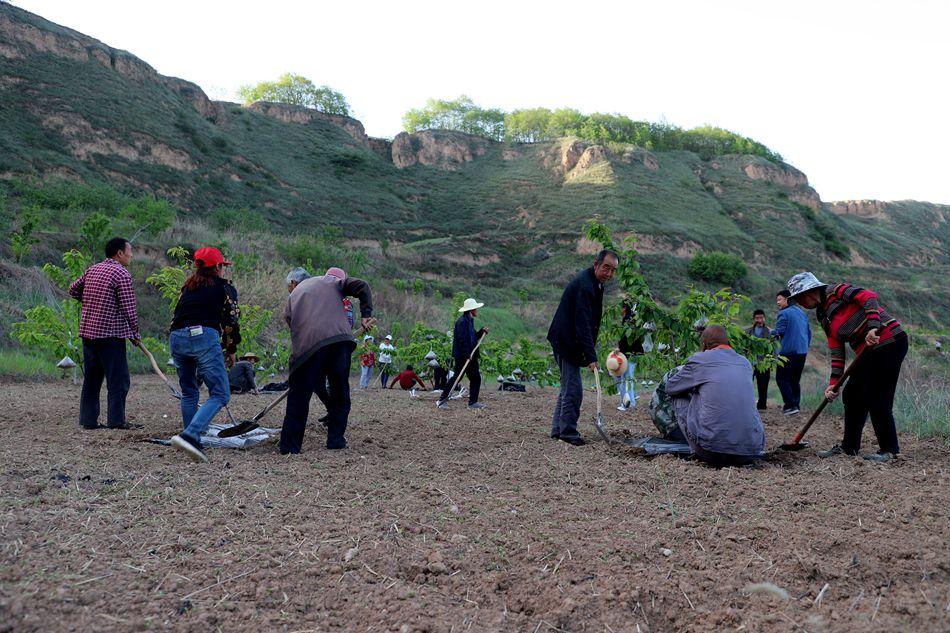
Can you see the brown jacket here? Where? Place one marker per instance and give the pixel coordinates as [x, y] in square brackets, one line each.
[316, 318]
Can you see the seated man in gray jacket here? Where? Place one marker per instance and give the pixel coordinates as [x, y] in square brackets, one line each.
[715, 403]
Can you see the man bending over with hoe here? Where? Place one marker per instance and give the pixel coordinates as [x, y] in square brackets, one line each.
[715, 403]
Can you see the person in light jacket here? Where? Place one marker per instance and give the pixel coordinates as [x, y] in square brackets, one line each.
[715, 406]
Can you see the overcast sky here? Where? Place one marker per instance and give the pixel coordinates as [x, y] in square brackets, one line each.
[853, 93]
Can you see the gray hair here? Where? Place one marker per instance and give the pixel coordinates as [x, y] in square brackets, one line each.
[297, 274]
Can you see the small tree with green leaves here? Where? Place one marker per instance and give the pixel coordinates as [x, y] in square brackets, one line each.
[296, 90]
[54, 328]
[22, 240]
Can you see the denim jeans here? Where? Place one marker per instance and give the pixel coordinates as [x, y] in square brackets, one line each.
[103, 358]
[366, 375]
[383, 374]
[199, 356]
[568, 407]
[626, 385]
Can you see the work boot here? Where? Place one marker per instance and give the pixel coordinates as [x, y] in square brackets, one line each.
[833, 451]
[882, 456]
[191, 447]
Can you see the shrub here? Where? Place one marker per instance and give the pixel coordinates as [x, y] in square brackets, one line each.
[716, 266]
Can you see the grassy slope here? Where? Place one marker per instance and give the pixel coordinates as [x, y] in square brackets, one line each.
[301, 178]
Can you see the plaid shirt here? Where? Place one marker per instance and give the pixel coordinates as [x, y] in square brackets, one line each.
[108, 302]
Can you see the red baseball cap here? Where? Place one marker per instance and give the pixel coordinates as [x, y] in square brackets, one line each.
[209, 256]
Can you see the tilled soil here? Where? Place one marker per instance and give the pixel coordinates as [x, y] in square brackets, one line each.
[456, 521]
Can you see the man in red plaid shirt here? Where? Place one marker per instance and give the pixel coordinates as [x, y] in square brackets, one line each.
[108, 318]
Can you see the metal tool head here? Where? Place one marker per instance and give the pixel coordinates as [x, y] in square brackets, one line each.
[599, 425]
[794, 446]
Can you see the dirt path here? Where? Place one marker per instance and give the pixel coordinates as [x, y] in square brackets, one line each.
[454, 521]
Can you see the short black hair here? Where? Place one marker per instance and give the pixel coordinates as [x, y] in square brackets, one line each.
[783, 293]
[604, 253]
[115, 245]
[758, 312]
[408, 367]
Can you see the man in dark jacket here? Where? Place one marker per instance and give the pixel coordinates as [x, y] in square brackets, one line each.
[573, 337]
[464, 340]
[322, 343]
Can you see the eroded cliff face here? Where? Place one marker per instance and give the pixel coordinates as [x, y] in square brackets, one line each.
[860, 208]
[442, 149]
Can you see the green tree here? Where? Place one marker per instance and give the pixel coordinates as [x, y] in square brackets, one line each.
[459, 114]
[93, 234]
[296, 90]
[22, 240]
[54, 327]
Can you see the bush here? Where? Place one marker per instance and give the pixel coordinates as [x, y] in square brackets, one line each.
[716, 266]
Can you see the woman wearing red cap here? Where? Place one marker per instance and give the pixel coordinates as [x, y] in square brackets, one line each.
[205, 321]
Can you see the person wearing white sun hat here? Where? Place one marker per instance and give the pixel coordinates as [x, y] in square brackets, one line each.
[464, 340]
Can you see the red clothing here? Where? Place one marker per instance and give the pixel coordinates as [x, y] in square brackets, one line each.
[108, 302]
[408, 378]
[847, 314]
[368, 359]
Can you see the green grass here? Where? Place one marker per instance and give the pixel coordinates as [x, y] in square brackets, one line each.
[24, 364]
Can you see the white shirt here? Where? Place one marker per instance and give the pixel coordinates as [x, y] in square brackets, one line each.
[384, 356]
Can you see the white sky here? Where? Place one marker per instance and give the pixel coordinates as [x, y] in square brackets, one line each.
[850, 92]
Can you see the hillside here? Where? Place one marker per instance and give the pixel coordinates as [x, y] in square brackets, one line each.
[462, 211]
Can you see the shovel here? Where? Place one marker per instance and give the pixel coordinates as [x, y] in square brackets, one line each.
[155, 367]
[244, 426]
[599, 418]
[797, 444]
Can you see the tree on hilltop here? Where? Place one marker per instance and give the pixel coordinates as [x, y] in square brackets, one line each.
[459, 114]
[296, 90]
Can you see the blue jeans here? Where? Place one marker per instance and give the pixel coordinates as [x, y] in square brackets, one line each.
[366, 375]
[626, 385]
[199, 356]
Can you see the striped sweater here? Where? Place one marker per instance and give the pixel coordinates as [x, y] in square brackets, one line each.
[847, 313]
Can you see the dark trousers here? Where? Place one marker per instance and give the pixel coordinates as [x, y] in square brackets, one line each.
[762, 383]
[103, 358]
[474, 380]
[789, 379]
[567, 410]
[330, 363]
[870, 390]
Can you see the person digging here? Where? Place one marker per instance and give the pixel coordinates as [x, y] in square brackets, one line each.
[465, 342]
[241, 375]
[408, 380]
[573, 337]
[853, 316]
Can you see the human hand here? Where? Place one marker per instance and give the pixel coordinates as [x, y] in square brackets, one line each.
[872, 338]
[367, 324]
[229, 360]
[594, 366]
[831, 393]
[136, 340]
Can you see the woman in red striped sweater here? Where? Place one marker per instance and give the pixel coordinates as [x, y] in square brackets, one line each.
[854, 316]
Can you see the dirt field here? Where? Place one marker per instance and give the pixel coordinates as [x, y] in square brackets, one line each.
[455, 521]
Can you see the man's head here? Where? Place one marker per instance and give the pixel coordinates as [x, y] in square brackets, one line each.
[781, 299]
[295, 276]
[119, 249]
[758, 317]
[336, 272]
[606, 265]
[409, 368]
[713, 336]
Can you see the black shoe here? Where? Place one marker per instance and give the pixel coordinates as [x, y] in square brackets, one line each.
[555, 437]
[762, 408]
[126, 427]
[880, 457]
[189, 446]
[574, 441]
[91, 428]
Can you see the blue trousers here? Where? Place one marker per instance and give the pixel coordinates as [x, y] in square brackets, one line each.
[568, 407]
[199, 356]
